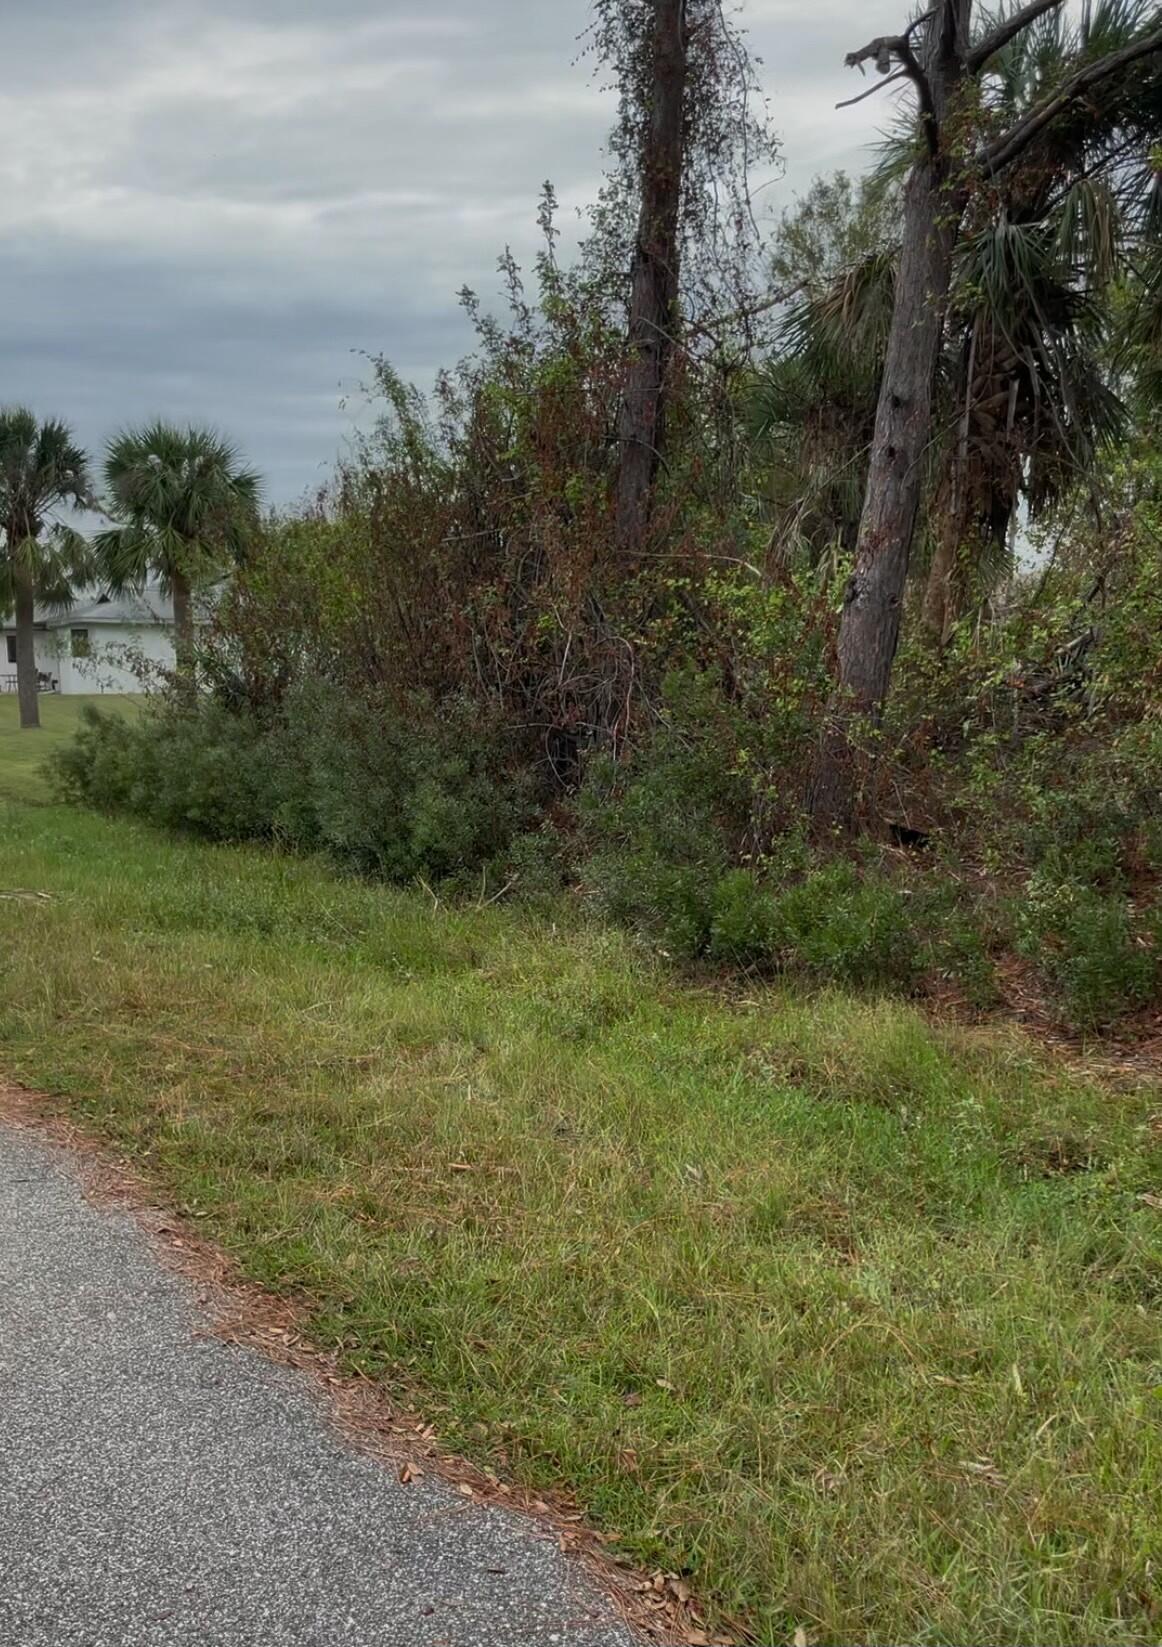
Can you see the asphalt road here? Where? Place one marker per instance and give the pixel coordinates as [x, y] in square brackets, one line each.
[159, 1487]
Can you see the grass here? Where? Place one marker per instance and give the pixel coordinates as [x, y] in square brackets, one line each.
[22, 753]
[852, 1320]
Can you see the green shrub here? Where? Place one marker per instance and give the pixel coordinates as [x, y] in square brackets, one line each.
[665, 832]
[393, 795]
[744, 921]
[98, 766]
[1089, 820]
[533, 867]
[207, 771]
[682, 905]
[958, 933]
[659, 831]
[847, 927]
[425, 791]
[957, 950]
[1099, 958]
[670, 802]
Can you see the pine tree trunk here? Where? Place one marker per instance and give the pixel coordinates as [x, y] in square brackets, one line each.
[184, 645]
[869, 628]
[653, 306]
[25, 613]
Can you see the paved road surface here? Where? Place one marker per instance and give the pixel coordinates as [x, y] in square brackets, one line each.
[159, 1488]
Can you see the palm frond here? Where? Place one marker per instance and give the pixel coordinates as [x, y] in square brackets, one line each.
[42, 469]
[185, 502]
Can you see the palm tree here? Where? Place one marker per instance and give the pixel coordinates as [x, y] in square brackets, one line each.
[1023, 395]
[1023, 392]
[41, 469]
[1027, 399]
[187, 509]
[968, 146]
[810, 409]
[1138, 346]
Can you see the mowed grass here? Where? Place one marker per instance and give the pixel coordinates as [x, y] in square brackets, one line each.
[853, 1321]
[23, 753]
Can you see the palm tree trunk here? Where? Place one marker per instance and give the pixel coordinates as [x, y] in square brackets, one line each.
[24, 601]
[938, 608]
[653, 304]
[184, 644]
[937, 612]
[869, 629]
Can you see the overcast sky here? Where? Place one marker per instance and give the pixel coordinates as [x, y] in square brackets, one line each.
[210, 206]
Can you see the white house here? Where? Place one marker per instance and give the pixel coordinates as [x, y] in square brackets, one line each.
[101, 643]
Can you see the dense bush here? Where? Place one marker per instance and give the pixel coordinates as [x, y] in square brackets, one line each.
[657, 833]
[390, 794]
[210, 772]
[1098, 955]
[744, 921]
[959, 937]
[395, 793]
[667, 840]
[664, 833]
[854, 928]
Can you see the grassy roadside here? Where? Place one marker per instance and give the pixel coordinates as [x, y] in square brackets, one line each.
[853, 1321]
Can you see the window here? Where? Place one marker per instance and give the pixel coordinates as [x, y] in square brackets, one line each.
[79, 643]
[11, 639]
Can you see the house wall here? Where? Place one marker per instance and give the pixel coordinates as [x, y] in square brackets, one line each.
[45, 647]
[117, 652]
[118, 655]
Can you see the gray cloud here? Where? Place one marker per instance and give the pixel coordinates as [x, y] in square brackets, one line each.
[210, 209]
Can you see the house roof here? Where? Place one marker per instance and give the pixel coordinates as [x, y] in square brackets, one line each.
[146, 607]
[149, 607]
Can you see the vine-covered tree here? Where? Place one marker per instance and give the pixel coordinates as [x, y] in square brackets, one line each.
[676, 208]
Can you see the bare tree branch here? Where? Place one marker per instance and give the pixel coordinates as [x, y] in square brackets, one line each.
[1004, 32]
[924, 92]
[713, 326]
[871, 91]
[1006, 148]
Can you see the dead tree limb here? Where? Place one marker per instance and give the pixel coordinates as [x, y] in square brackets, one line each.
[1006, 148]
[1006, 31]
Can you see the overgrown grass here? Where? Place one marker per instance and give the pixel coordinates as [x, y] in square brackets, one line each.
[853, 1321]
[22, 754]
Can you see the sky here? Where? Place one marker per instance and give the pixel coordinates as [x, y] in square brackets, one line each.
[214, 208]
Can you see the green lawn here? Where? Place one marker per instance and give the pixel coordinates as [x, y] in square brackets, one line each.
[852, 1320]
[22, 754]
